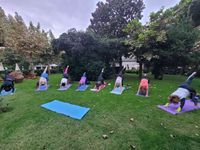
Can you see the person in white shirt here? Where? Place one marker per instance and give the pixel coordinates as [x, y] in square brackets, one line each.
[119, 80]
[64, 81]
[183, 91]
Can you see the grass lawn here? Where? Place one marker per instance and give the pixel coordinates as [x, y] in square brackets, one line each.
[27, 126]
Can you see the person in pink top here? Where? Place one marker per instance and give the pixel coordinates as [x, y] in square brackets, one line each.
[83, 80]
[144, 86]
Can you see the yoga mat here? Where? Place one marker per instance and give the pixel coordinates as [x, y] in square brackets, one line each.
[118, 90]
[73, 111]
[141, 95]
[82, 88]
[4, 93]
[189, 106]
[64, 88]
[43, 88]
[100, 88]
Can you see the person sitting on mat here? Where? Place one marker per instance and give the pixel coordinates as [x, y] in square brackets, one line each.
[143, 88]
[64, 81]
[119, 80]
[183, 91]
[83, 80]
[8, 84]
[100, 80]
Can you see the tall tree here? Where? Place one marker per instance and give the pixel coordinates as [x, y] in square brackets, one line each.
[81, 53]
[194, 12]
[111, 17]
[2, 27]
[145, 40]
[51, 36]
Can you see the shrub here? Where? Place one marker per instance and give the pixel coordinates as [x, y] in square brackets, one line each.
[3, 105]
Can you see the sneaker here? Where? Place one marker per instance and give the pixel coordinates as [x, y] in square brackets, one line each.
[193, 74]
[167, 104]
[178, 109]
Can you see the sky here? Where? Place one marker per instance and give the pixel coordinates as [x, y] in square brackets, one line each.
[61, 15]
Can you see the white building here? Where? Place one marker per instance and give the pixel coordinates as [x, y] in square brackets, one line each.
[42, 67]
[130, 63]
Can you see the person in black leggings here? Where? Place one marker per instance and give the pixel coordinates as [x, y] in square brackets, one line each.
[184, 91]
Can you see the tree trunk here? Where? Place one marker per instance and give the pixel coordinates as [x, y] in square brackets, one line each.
[140, 69]
[120, 62]
[49, 70]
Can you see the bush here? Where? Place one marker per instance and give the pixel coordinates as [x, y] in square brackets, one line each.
[3, 105]
[92, 70]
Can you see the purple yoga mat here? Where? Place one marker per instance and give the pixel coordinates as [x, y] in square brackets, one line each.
[189, 106]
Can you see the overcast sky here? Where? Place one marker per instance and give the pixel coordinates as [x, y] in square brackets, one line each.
[61, 15]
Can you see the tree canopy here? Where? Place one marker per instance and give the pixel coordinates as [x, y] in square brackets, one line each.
[111, 17]
[30, 42]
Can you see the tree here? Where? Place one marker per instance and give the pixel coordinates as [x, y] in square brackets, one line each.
[145, 40]
[181, 39]
[29, 42]
[11, 57]
[84, 51]
[51, 36]
[111, 17]
[194, 12]
[2, 27]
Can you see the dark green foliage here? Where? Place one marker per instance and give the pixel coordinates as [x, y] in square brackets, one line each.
[181, 39]
[109, 20]
[10, 58]
[194, 12]
[83, 53]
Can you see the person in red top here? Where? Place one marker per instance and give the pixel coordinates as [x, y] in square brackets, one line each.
[144, 86]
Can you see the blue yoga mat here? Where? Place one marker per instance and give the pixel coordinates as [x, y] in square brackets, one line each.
[43, 88]
[64, 88]
[82, 88]
[73, 111]
[118, 90]
[4, 93]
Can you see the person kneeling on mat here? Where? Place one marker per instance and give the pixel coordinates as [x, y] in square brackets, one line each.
[100, 80]
[8, 84]
[183, 91]
[144, 86]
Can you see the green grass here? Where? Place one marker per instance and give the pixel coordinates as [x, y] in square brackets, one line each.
[27, 126]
